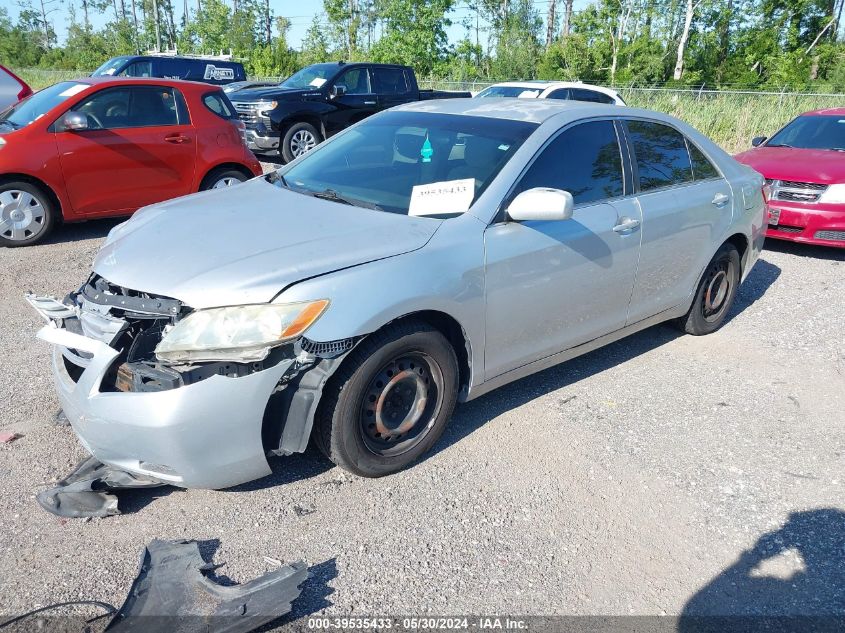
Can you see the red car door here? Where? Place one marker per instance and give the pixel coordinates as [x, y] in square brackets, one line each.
[139, 148]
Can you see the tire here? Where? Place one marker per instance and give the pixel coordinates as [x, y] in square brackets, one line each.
[221, 178]
[418, 373]
[27, 214]
[299, 139]
[715, 293]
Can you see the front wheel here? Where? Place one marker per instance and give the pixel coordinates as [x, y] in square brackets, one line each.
[715, 294]
[298, 140]
[390, 401]
[27, 214]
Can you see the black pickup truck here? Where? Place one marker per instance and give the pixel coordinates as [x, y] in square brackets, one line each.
[323, 99]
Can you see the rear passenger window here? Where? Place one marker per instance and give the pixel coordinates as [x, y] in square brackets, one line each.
[662, 156]
[579, 94]
[702, 168]
[583, 160]
[390, 81]
[215, 102]
[560, 93]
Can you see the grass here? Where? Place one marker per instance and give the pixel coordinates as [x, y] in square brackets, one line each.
[730, 119]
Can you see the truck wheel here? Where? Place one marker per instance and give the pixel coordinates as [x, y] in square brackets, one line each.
[299, 139]
[715, 294]
[390, 400]
[27, 214]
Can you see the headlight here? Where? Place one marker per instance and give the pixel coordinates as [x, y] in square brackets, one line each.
[239, 333]
[266, 107]
[834, 194]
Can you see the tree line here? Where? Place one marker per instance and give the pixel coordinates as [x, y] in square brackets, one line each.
[792, 44]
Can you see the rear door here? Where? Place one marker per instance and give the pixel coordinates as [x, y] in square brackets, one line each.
[393, 85]
[686, 204]
[139, 149]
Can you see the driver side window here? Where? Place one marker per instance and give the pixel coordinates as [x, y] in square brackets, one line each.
[131, 107]
[356, 81]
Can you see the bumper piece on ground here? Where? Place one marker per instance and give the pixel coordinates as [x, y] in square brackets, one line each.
[84, 492]
[173, 593]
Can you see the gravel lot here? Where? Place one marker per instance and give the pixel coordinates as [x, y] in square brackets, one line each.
[659, 474]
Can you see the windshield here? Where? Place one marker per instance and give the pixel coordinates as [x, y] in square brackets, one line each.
[310, 77]
[409, 162]
[37, 105]
[110, 67]
[812, 132]
[509, 91]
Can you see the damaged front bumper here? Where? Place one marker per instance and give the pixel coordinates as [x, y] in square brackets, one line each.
[212, 431]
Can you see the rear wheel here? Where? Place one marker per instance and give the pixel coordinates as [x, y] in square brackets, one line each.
[221, 178]
[27, 214]
[390, 401]
[715, 294]
[298, 140]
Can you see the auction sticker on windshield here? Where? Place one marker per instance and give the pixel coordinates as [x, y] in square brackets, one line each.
[438, 198]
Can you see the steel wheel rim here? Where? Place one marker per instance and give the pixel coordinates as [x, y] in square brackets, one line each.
[228, 181]
[717, 289]
[400, 404]
[22, 215]
[301, 142]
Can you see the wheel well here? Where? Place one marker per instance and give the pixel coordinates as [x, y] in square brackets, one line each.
[36, 183]
[741, 244]
[454, 333]
[303, 118]
[224, 167]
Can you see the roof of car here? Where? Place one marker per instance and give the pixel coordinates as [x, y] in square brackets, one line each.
[531, 110]
[826, 112]
[153, 81]
[545, 85]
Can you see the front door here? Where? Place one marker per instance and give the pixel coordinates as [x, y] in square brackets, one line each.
[139, 149]
[553, 285]
[357, 102]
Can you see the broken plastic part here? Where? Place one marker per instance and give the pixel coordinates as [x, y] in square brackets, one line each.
[173, 593]
[84, 492]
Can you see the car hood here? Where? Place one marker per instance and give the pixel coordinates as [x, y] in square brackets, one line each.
[246, 243]
[792, 163]
[269, 94]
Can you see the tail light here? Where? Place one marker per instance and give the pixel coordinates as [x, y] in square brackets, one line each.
[241, 130]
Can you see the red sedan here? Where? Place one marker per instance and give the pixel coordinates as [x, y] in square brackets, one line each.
[804, 166]
[100, 147]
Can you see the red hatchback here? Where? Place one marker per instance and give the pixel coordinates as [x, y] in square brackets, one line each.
[100, 147]
[804, 166]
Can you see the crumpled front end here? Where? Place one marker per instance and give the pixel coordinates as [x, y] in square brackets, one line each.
[207, 425]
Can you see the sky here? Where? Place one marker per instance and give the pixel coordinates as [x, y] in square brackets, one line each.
[299, 12]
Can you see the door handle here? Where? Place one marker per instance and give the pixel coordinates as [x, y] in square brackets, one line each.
[177, 138]
[626, 224]
[369, 103]
[720, 200]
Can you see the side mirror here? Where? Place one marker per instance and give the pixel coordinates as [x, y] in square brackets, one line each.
[74, 122]
[541, 203]
[758, 140]
[338, 91]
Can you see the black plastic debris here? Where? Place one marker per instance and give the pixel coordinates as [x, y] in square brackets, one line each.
[173, 593]
[84, 492]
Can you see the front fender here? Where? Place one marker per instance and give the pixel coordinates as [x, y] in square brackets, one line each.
[446, 275]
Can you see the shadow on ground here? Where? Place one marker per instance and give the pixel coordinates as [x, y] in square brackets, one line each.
[78, 231]
[805, 250]
[792, 579]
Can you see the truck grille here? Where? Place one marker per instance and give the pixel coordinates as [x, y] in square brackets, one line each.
[248, 112]
[793, 191]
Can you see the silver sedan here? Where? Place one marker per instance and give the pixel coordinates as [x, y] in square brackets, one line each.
[419, 259]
